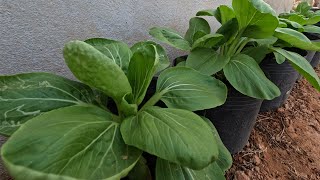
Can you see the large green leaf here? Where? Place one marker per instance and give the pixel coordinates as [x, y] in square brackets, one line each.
[166, 170]
[256, 18]
[164, 61]
[207, 61]
[77, 142]
[297, 18]
[224, 160]
[25, 96]
[208, 41]
[97, 70]
[196, 24]
[295, 38]
[141, 70]
[312, 29]
[303, 8]
[229, 30]
[185, 88]
[117, 51]
[176, 135]
[170, 37]
[245, 75]
[292, 24]
[313, 20]
[225, 14]
[302, 66]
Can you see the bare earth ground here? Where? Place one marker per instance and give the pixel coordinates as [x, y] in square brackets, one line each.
[284, 144]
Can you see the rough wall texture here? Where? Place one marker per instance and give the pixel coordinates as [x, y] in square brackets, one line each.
[32, 33]
[281, 5]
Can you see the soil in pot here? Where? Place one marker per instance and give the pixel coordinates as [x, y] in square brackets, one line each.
[235, 119]
[283, 75]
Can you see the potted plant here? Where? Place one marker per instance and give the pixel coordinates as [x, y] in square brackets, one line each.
[289, 57]
[225, 55]
[62, 129]
[304, 19]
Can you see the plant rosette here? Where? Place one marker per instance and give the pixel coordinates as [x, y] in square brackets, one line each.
[250, 30]
[222, 54]
[62, 129]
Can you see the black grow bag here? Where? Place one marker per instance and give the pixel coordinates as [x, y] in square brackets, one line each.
[235, 119]
[282, 75]
[315, 60]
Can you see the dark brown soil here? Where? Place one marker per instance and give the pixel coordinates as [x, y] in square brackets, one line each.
[284, 144]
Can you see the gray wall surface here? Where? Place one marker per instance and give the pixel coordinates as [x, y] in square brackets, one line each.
[33, 32]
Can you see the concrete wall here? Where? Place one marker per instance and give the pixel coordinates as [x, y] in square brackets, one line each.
[33, 32]
[281, 5]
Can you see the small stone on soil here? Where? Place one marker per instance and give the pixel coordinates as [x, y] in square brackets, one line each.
[240, 175]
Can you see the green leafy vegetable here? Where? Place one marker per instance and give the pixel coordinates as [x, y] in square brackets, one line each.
[196, 25]
[244, 75]
[170, 136]
[117, 51]
[141, 70]
[96, 70]
[206, 60]
[185, 88]
[171, 37]
[301, 65]
[25, 96]
[163, 58]
[256, 18]
[79, 142]
[63, 129]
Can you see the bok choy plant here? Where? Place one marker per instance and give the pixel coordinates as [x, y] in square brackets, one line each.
[221, 53]
[248, 30]
[62, 129]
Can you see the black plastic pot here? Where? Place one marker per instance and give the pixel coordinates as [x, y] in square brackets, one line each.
[315, 60]
[235, 119]
[283, 75]
[313, 57]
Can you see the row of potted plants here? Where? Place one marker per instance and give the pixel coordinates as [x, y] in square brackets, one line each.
[258, 58]
[121, 121]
